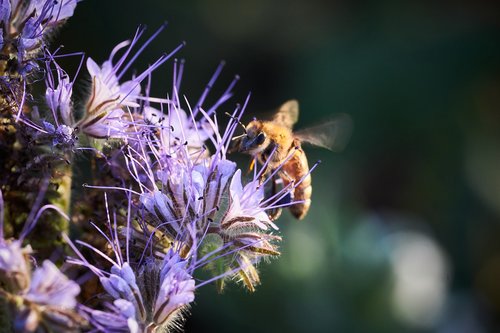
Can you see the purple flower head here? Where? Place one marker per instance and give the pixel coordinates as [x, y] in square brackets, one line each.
[50, 12]
[26, 23]
[58, 127]
[189, 207]
[176, 128]
[176, 288]
[50, 287]
[44, 298]
[121, 288]
[145, 295]
[117, 318]
[58, 95]
[246, 205]
[121, 284]
[14, 266]
[110, 102]
[189, 193]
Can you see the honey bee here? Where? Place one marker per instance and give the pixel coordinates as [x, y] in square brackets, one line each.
[273, 143]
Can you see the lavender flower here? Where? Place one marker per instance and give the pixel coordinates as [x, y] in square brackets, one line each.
[121, 284]
[176, 288]
[175, 129]
[50, 301]
[245, 204]
[58, 94]
[43, 298]
[26, 23]
[190, 193]
[50, 287]
[118, 317]
[110, 100]
[58, 127]
[14, 267]
[147, 298]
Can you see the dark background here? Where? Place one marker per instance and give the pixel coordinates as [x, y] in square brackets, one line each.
[404, 229]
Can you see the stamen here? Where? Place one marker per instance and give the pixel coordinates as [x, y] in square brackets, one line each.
[138, 53]
[209, 86]
[110, 188]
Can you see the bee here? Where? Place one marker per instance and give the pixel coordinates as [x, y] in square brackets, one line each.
[274, 144]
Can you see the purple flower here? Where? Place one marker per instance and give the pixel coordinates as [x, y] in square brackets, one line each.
[58, 127]
[45, 298]
[177, 128]
[244, 229]
[24, 26]
[190, 193]
[58, 95]
[109, 124]
[14, 267]
[182, 188]
[245, 207]
[50, 12]
[105, 106]
[50, 287]
[121, 284]
[176, 288]
[148, 296]
[28, 22]
[110, 101]
[107, 92]
[118, 317]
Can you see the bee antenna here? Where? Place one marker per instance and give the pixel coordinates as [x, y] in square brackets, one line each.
[238, 121]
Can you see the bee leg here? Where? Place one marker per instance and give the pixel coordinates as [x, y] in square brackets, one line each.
[262, 177]
[252, 165]
[287, 177]
[274, 213]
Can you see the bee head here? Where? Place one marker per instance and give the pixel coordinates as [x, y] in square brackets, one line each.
[255, 139]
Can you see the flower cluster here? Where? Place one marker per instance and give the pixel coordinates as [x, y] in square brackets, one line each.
[24, 26]
[43, 297]
[174, 202]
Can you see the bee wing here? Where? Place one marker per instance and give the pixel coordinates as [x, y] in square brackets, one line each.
[287, 114]
[333, 134]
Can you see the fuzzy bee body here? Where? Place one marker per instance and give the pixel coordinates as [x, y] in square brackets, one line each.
[280, 147]
[276, 145]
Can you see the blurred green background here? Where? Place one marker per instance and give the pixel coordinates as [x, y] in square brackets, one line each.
[404, 229]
